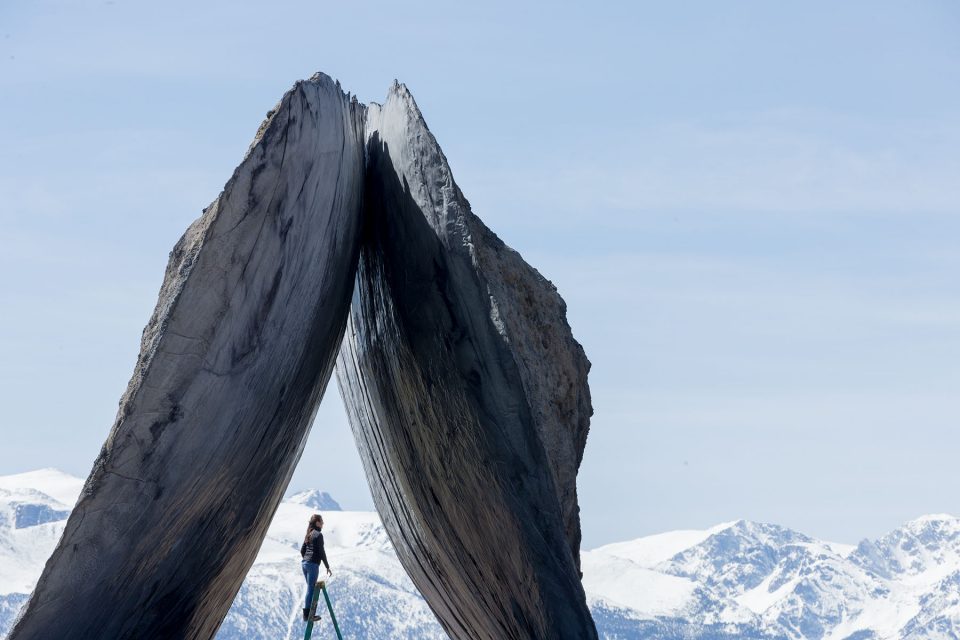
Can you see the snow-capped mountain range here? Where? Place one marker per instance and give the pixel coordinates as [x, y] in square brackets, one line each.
[736, 580]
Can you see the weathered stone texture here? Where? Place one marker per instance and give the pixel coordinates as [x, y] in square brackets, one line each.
[465, 389]
[467, 396]
[233, 365]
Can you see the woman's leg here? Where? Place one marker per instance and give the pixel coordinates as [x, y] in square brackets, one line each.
[311, 571]
[306, 576]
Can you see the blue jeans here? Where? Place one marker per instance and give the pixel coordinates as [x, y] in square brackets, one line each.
[311, 571]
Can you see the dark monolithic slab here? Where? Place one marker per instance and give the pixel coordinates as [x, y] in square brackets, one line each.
[232, 367]
[467, 396]
[466, 391]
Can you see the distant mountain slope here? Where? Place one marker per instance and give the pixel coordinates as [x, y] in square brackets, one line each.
[739, 580]
[315, 499]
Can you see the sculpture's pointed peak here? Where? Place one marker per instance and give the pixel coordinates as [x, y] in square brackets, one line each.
[400, 93]
[318, 79]
[399, 89]
[321, 77]
[398, 112]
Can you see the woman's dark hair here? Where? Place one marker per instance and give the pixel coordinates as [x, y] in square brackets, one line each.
[314, 519]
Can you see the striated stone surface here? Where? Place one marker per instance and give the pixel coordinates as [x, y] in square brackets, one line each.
[467, 396]
[232, 367]
[466, 392]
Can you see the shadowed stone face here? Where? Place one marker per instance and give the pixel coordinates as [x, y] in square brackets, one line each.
[471, 458]
[465, 390]
[233, 365]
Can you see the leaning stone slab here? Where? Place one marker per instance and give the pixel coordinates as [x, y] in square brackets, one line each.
[232, 367]
[467, 396]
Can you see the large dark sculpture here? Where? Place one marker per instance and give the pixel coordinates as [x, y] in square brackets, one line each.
[467, 396]
[466, 392]
[232, 367]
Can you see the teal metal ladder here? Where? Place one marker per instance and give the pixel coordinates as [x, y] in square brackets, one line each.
[321, 586]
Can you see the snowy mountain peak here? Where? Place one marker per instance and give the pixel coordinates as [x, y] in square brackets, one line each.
[935, 524]
[62, 487]
[36, 498]
[738, 580]
[925, 550]
[315, 499]
[754, 580]
[933, 518]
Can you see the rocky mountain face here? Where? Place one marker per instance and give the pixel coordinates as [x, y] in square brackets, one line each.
[466, 391]
[737, 580]
[747, 579]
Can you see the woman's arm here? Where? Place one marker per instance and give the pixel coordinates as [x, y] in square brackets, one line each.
[323, 554]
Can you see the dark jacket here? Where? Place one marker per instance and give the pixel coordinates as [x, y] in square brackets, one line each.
[314, 552]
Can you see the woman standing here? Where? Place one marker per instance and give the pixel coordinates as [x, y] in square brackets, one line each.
[313, 553]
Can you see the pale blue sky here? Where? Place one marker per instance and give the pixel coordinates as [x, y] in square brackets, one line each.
[751, 208]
